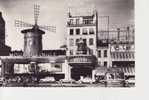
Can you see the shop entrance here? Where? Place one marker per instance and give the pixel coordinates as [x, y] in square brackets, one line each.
[77, 72]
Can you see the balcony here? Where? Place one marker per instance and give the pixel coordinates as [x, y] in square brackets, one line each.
[91, 23]
[86, 60]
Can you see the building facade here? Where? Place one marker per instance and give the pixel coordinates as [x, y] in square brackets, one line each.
[82, 44]
[84, 27]
[111, 49]
[87, 53]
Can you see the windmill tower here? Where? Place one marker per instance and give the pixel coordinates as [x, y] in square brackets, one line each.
[33, 36]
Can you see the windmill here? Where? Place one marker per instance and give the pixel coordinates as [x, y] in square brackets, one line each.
[33, 36]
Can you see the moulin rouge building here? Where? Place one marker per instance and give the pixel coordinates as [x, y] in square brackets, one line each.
[86, 54]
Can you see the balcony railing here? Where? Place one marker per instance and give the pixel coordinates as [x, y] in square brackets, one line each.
[80, 24]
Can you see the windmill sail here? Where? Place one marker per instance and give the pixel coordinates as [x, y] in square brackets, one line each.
[49, 28]
[36, 13]
[19, 23]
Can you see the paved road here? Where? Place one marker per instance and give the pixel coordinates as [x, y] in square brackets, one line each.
[60, 85]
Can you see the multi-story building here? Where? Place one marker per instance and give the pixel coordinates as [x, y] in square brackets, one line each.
[111, 49]
[118, 51]
[4, 49]
[82, 27]
[123, 52]
[82, 32]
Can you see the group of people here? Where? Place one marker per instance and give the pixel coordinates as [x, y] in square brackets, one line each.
[18, 80]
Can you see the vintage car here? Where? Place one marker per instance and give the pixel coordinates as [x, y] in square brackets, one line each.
[1, 81]
[67, 81]
[86, 80]
[48, 80]
[130, 81]
[114, 78]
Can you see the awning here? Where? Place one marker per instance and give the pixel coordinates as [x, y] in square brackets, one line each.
[122, 55]
[128, 71]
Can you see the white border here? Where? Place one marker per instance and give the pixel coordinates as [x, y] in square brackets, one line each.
[137, 93]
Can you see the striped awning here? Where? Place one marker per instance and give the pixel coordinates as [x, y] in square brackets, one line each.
[122, 55]
[128, 71]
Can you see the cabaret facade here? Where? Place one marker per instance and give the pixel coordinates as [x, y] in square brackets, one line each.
[81, 44]
[85, 55]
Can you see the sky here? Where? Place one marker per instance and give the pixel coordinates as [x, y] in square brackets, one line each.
[54, 13]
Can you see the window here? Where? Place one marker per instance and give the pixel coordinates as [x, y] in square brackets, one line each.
[77, 31]
[128, 47]
[105, 53]
[91, 31]
[77, 40]
[71, 42]
[57, 66]
[99, 63]
[116, 47]
[84, 31]
[87, 21]
[105, 63]
[77, 21]
[91, 41]
[71, 21]
[91, 51]
[34, 42]
[99, 53]
[71, 52]
[71, 31]
[84, 40]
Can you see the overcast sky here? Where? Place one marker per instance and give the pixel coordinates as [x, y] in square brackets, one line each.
[54, 13]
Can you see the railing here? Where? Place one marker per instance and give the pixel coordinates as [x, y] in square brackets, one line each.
[80, 24]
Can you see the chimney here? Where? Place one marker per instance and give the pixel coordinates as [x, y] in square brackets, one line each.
[69, 14]
[128, 33]
[118, 34]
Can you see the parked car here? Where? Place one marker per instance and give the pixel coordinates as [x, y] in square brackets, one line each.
[1, 80]
[48, 79]
[114, 78]
[67, 81]
[130, 81]
[86, 80]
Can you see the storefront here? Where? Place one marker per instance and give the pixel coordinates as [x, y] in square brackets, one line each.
[43, 66]
[125, 62]
[82, 66]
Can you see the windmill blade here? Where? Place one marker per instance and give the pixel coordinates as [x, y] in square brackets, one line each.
[19, 23]
[49, 28]
[36, 13]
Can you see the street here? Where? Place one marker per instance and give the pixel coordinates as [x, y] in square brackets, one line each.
[62, 85]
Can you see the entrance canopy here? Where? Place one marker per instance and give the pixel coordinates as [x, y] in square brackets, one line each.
[82, 60]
